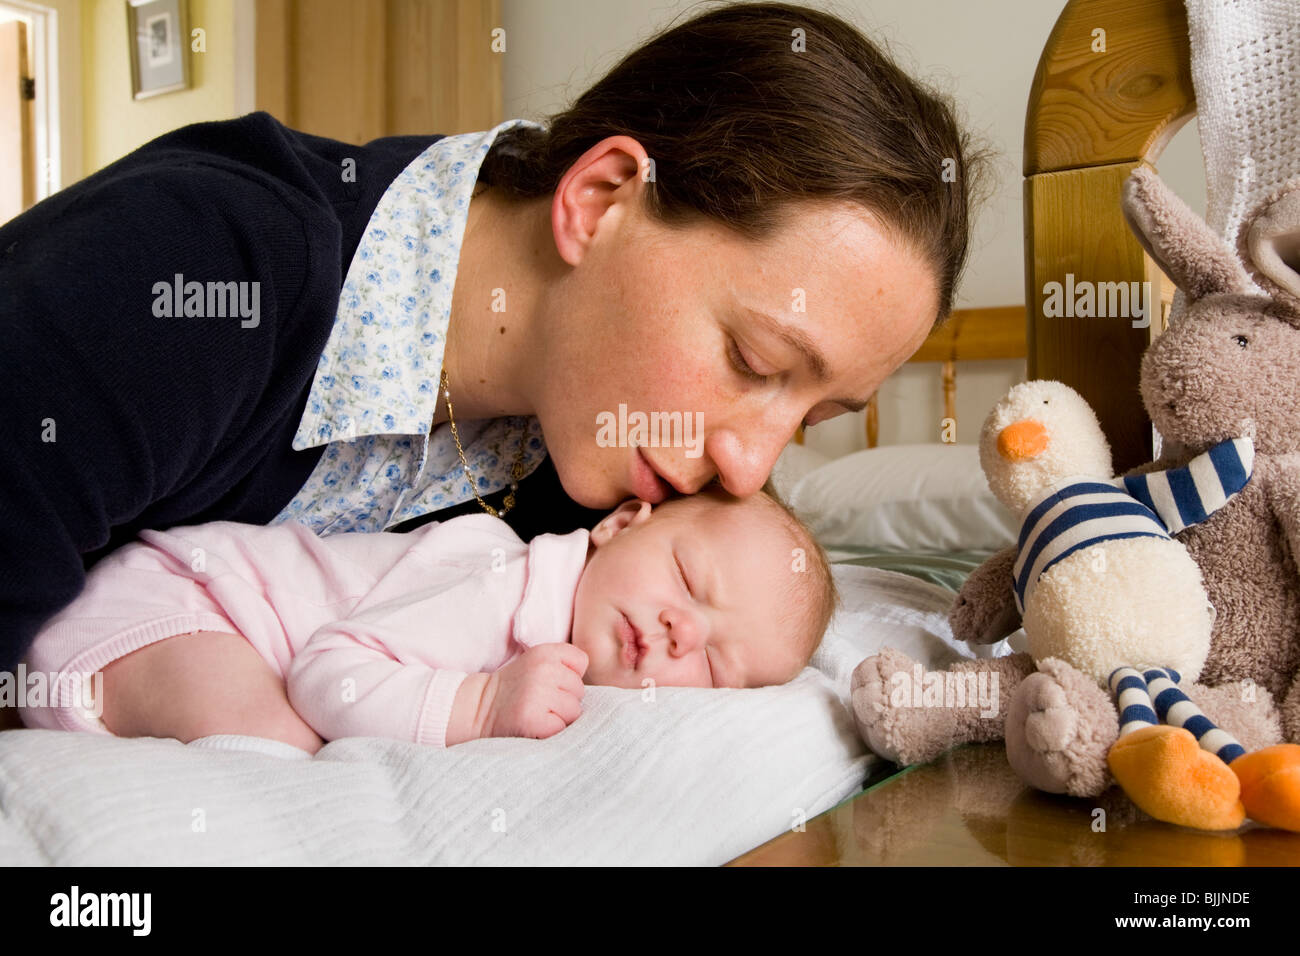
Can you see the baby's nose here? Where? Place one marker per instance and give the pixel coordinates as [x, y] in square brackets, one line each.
[683, 627]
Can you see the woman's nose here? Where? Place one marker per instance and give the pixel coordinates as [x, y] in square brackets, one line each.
[744, 464]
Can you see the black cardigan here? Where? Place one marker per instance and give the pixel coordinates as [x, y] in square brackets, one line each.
[114, 419]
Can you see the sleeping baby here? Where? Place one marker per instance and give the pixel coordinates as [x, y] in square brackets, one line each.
[459, 630]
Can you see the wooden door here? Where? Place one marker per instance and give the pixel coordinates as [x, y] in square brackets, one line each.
[354, 70]
[17, 145]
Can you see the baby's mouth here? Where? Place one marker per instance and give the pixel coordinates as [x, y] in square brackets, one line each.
[631, 643]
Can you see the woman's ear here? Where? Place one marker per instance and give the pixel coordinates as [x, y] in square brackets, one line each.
[1182, 245]
[626, 515]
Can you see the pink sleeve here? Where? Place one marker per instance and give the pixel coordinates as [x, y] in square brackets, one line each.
[345, 686]
[370, 674]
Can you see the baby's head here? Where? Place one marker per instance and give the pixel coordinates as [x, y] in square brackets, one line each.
[704, 591]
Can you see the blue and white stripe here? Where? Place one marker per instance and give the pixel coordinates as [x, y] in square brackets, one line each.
[1188, 495]
[1174, 708]
[1076, 513]
[1132, 699]
[1079, 512]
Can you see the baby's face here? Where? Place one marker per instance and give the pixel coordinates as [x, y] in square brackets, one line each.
[694, 596]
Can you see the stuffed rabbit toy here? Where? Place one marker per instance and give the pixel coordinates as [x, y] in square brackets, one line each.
[1227, 367]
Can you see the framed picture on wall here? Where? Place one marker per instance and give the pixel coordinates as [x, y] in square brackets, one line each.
[159, 35]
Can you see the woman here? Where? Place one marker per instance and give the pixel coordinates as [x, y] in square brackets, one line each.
[752, 220]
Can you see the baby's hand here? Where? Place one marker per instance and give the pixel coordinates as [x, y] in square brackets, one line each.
[537, 694]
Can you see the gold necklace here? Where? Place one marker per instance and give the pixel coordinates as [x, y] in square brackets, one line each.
[516, 472]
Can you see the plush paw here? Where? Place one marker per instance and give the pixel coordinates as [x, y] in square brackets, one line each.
[1059, 726]
[1270, 785]
[878, 721]
[1050, 719]
[1165, 772]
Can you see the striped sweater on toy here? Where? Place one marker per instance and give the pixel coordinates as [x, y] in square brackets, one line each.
[1079, 512]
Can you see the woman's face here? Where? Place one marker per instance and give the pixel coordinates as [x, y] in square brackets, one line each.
[646, 319]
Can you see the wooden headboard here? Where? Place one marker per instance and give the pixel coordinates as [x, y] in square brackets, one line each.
[967, 335]
[1101, 103]
[1113, 86]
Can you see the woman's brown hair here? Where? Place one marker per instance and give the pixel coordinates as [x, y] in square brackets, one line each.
[744, 116]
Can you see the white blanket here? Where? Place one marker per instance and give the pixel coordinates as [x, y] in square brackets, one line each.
[1246, 73]
[694, 777]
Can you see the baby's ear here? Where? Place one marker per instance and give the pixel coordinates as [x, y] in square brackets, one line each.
[626, 515]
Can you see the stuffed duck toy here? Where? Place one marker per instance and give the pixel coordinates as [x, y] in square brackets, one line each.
[1101, 584]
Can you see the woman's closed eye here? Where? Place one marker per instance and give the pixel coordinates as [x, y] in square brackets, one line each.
[745, 369]
[741, 364]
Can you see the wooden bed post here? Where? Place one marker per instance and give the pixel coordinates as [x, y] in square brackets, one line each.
[1112, 87]
[968, 335]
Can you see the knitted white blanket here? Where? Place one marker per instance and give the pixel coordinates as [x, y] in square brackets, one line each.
[1246, 72]
[696, 778]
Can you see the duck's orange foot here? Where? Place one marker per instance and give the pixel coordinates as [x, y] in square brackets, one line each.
[1270, 785]
[1166, 773]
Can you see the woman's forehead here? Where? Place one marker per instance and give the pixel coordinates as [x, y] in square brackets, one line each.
[843, 272]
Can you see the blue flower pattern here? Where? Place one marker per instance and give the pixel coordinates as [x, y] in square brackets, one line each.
[376, 386]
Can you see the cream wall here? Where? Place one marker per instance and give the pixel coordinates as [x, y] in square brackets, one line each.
[113, 122]
[982, 51]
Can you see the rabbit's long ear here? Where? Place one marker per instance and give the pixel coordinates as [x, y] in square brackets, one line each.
[1183, 246]
[1270, 245]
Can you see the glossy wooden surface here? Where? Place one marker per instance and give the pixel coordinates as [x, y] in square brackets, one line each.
[968, 808]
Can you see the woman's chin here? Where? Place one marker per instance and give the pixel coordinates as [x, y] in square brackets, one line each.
[604, 493]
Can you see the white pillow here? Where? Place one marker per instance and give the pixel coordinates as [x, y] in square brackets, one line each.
[794, 462]
[926, 498]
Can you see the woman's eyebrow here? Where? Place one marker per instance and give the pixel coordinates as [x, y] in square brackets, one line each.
[798, 339]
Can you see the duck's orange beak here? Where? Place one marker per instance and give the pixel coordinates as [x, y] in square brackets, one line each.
[1023, 440]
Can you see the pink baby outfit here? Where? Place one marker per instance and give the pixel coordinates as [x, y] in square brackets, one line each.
[373, 633]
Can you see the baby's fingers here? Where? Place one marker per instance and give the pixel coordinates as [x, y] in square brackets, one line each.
[566, 706]
[574, 658]
[569, 682]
